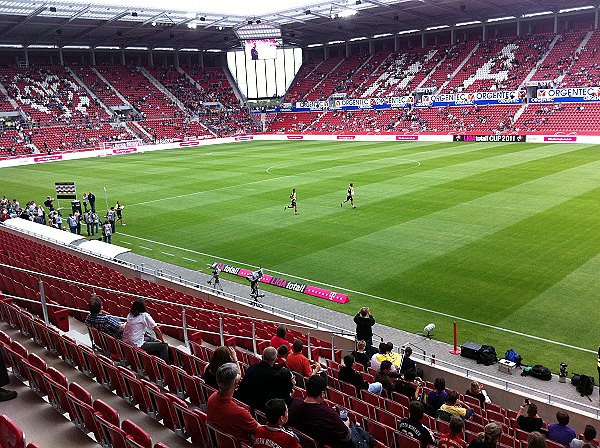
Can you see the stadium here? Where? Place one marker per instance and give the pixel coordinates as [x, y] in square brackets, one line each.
[437, 164]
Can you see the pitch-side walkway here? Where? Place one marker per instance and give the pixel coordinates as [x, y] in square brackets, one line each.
[441, 350]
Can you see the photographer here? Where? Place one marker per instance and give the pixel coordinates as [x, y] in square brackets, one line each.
[364, 327]
[410, 385]
[530, 422]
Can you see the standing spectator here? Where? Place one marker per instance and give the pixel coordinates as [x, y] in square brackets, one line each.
[454, 439]
[138, 322]
[537, 440]
[297, 362]
[530, 422]
[360, 354]
[49, 203]
[349, 375]
[489, 437]
[258, 381]
[110, 217]
[273, 434]
[589, 436]
[92, 201]
[456, 407]
[85, 200]
[317, 420]
[476, 391]
[413, 427]
[560, 432]
[58, 219]
[89, 222]
[95, 222]
[72, 223]
[110, 325]
[223, 413]
[106, 232]
[5, 394]
[407, 363]
[364, 327]
[279, 339]
[77, 217]
[437, 396]
[222, 355]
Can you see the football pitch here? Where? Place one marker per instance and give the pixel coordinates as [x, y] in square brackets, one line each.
[502, 238]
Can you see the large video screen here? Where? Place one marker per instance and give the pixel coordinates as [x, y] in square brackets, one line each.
[258, 49]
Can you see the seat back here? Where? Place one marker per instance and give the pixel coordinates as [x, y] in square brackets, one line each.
[220, 439]
[11, 436]
[80, 393]
[107, 412]
[114, 436]
[136, 434]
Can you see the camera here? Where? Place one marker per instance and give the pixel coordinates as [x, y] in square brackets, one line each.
[526, 401]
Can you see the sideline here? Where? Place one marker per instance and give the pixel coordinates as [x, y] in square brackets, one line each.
[383, 299]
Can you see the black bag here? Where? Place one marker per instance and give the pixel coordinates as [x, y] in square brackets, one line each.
[361, 438]
[538, 371]
[488, 356]
[471, 350]
[575, 379]
[585, 385]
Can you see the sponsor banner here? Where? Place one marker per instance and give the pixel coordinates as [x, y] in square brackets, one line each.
[312, 105]
[294, 137]
[582, 93]
[243, 138]
[124, 150]
[345, 137]
[560, 139]
[47, 158]
[65, 190]
[287, 284]
[490, 138]
[469, 98]
[407, 137]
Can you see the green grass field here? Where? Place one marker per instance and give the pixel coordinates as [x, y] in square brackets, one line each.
[501, 236]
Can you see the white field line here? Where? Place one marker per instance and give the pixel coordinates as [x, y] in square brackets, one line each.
[146, 248]
[383, 299]
[167, 253]
[189, 259]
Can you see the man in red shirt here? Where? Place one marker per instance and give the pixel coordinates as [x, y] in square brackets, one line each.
[223, 413]
[279, 339]
[455, 438]
[273, 434]
[297, 362]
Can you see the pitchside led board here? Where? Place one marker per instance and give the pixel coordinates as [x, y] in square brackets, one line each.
[65, 190]
[258, 49]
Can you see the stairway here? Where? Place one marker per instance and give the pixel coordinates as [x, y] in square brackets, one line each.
[121, 97]
[533, 71]
[90, 93]
[156, 83]
[459, 68]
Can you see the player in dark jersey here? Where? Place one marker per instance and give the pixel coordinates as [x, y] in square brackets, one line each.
[293, 205]
[350, 196]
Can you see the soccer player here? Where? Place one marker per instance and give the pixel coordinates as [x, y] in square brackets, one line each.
[119, 209]
[350, 196]
[293, 205]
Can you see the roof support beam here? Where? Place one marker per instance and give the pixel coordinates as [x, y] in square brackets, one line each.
[102, 25]
[32, 15]
[57, 27]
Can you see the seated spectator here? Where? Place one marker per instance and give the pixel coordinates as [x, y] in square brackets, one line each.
[297, 362]
[384, 376]
[413, 427]
[283, 385]
[409, 385]
[589, 436]
[279, 339]
[456, 407]
[134, 332]
[386, 352]
[110, 325]
[225, 414]
[258, 381]
[311, 416]
[437, 396]
[349, 375]
[476, 391]
[407, 363]
[454, 439]
[220, 356]
[273, 434]
[536, 440]
[5, 394]
[560, 432]
[489, 437]
[360, 354]
[282, 354]
[530, 422]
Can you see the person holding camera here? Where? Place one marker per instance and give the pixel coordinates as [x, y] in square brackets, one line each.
[527, 417]
[364, 327]
[410, 385]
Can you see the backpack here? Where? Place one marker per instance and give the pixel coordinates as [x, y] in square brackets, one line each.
[585, 386]
[487, 356]
[538, 371]
[512, 356]
[361, 438]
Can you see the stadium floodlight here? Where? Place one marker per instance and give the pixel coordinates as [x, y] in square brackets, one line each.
[333, 42]
[76, 47]
[536, 14]
[107, 47]
[190, 49]
[192, 25]
[408, 31]
[314, 45]
[136, 48]
[214, 50]
[472, 22]
[42, 46]
[580, 8]
[347, 13]
[438, 27]
[258, 31]
[354, 39]
[163, 49]
[11, 46]
[377, 36]
[500, 19]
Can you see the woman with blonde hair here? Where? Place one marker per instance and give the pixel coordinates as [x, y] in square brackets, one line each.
[489, 437]
[536, 440]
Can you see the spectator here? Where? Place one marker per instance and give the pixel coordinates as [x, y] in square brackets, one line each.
[537, 440]
[282, 354]
[386, 353]
[364, 327]
[413, 426]
[349, 375]
[221, 355]
[297, 362]
[283, 385]
[258, 381]
[454, 439]
[407, 363]
[409, 385]
[273, 434]
[317, 420]
[530, 422]
[360, 354]
[5, 394]
[489, 437]
[384, 376]
[134, 332]
[476, 391]
[437, 396]
[279, 339]
[223, 413]
[110, 325]
[456, 407]
[560, 432]
[589, 436]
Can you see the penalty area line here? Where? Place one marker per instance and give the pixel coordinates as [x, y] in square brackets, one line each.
[383, 299]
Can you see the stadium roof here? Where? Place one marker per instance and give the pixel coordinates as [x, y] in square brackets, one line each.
[197, 25]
